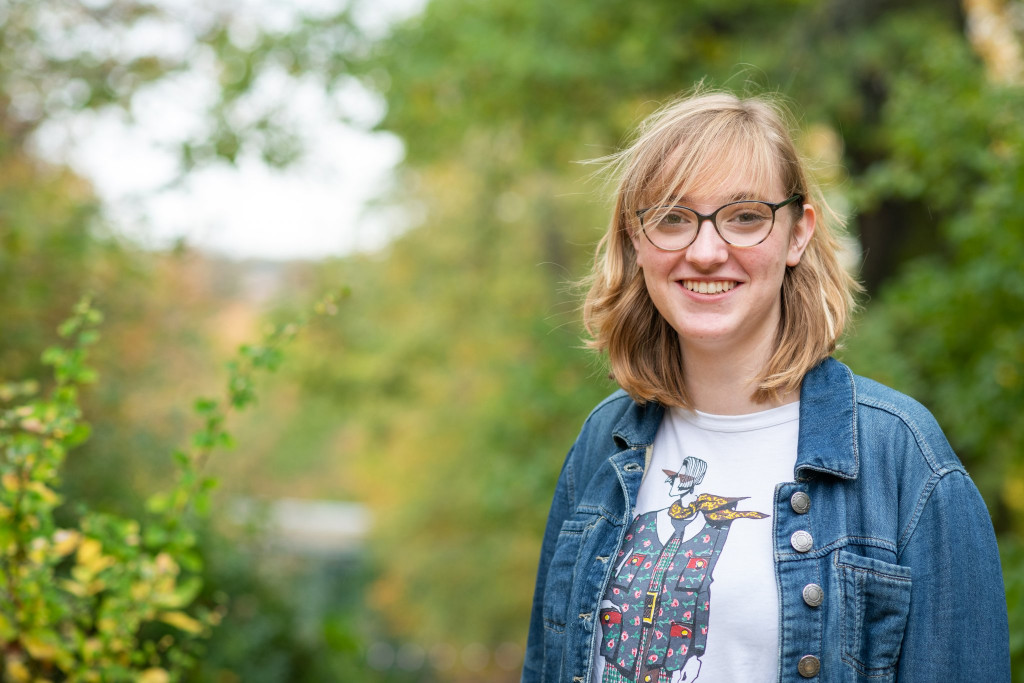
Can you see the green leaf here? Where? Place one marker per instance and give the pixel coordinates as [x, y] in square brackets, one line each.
[69, 327]
[79, 434]
[205, 406]
[158, 503]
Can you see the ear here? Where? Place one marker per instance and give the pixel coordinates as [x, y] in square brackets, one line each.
[800, 236]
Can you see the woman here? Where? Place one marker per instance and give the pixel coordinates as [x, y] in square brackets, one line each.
[745, 508]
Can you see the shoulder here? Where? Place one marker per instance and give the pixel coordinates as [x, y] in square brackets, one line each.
[596, 439]
[890, 417]
[905, 471]
[618, 422]
[608, 412]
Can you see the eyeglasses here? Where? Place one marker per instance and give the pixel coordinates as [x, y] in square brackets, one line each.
[741, 224]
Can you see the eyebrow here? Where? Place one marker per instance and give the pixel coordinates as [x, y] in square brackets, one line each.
[736, 197]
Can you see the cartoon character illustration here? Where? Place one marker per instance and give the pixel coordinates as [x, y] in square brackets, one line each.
[660, 597]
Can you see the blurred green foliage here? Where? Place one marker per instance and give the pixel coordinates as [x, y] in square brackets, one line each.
[103, 616]
[83, 619]
[445, 397]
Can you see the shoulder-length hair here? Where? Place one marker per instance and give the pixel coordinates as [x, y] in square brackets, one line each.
[686, 147]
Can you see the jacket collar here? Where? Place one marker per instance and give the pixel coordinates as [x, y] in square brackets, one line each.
[638, 425]
[828, 423]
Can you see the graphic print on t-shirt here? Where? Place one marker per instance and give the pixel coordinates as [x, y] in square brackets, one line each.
[660, 595]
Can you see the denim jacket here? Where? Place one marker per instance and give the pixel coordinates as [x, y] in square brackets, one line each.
[886, 563]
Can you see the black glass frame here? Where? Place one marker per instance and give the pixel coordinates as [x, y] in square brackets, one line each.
[713, 217]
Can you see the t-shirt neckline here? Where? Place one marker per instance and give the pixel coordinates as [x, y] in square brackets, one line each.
[762, 419]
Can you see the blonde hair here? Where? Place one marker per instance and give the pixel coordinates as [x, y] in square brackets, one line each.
[690, 144]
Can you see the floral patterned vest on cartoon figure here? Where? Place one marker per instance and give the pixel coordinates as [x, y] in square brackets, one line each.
[661, 591]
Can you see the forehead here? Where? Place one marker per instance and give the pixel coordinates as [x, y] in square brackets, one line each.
[716, 175]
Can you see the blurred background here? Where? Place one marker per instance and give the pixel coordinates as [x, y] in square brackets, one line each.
[205, 168]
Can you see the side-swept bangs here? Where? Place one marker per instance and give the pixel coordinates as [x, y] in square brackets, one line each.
[690, 147]
[698, 155]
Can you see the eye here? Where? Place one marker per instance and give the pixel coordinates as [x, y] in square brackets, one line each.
[746, 215]
[675, 219]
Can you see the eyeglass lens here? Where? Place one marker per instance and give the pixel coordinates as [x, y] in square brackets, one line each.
[741, 224]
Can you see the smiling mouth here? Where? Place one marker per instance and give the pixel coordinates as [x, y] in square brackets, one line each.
[702, 287]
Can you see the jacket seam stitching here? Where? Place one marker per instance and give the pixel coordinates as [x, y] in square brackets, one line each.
[855, 398]
[570, 480]
[922, 503]
[919, 438]
[825, 550]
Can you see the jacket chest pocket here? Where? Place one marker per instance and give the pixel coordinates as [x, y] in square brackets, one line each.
[561, 572]
[874, 604]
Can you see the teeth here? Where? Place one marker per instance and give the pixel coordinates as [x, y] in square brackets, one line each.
[703, 287]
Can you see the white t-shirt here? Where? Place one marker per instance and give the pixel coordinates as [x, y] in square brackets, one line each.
[693, 590]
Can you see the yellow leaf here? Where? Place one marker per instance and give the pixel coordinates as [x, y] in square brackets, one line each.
[7, 631]
[82, 583]
[39, 650]
[91, 648]
[74, 587]
[140, 590]
[37, 550]
[10, 481]
[88, 551]
[165, 564]
[44, 492]
[65, 541]
[170, 595]
[182, 621]
[154, 676]
[1013, 493]
[17, 670]
[91, 560]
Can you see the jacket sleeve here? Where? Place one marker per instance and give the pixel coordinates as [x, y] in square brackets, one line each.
[561, 507]
[957, 626]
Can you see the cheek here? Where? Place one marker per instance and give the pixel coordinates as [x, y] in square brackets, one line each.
[656, 262]
[657, 279]
[651, 285]
[768, 266]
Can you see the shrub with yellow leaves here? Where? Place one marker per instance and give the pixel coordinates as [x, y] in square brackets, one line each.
[115, 598]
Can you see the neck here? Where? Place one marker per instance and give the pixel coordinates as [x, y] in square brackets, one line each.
[724, 383]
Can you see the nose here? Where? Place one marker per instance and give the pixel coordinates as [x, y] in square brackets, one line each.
[708, 249]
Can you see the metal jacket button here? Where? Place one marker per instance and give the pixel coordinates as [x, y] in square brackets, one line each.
[813, 595]
[809, 666]
[801, 541]
[800, 502]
